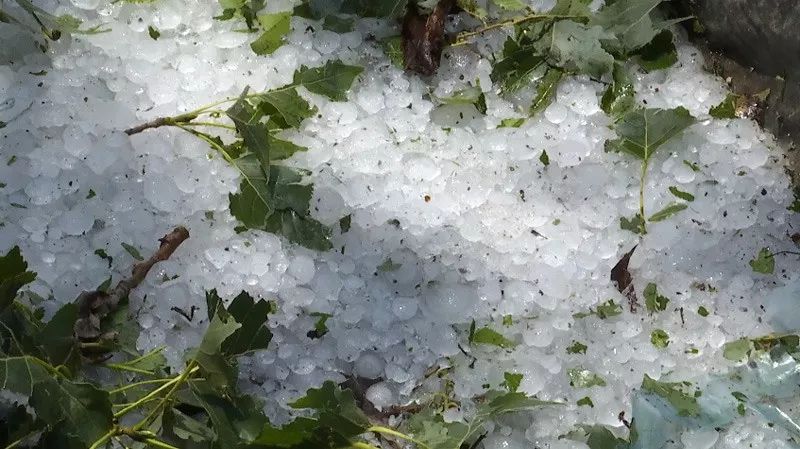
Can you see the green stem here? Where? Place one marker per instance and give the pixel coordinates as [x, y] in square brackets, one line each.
[391, 432]
[104, 439]
[126, 366]
[642, 181]
[138, 384]
[515, 21]
[171, 384]
[211, 124]
[190, 369]
[361, 445]
[158, 443]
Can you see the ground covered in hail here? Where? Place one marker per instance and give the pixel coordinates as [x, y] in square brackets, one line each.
[454, 245]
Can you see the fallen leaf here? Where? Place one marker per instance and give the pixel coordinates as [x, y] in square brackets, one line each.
[423, 38]
[622, 277]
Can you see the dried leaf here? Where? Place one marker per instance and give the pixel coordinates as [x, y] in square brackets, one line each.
[623, 279]
[423, 38]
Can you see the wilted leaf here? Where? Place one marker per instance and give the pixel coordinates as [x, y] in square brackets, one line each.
[423, 37]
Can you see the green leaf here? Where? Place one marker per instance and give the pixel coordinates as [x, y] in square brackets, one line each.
[618, 98]
[57, 339]
[275, 27]
[345, 223]
[585, 401]
[282, 149]
[390, 9]
[320, 326]
[686, 196]
[659, 338]
[130, 249]
[702, 311]
[79, 407]
[544, 158]
[388, 266]
[577, 348]
[489, 336]
[512, 381]
[583, 378]
[21, 374]
[727, 108]
[578, 48]
[635, 224]
[338, 24]
[393, 48]
[303, 230]
[186, 427]
[606, 310]
[546, 90]
[472, 7]
[508, 320]
[247, 120]
[642, 131]
[668, 211]
[235, 419]
[153, 32]
[652, 300]
[659, 54]
[301, 430]
[695, 168]
[332, 80]
[286, 108]
[253, 333]
[13, 275]
[674, 393]
[512, 5]
[516, 66]
[764, 262]
[335, 408]
[737, 350]
[511, 122]
[629, 21]
[579, 8]
[209, 354]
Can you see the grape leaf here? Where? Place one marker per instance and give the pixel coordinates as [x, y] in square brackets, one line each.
[546, 90]
[642, 131]
[13, 275]
[275, 27]
[618, 98]
[332, 80]
[578, 47]
[675, 393]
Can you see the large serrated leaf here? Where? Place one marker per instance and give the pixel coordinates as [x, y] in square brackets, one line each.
[275, 27]
[21, 374]
[618, 98]
[57, 340]
[81, 409]
[578, 47]
[254, 333]
[516, 66]
[335, 408]
[629, 21]
[285, 107]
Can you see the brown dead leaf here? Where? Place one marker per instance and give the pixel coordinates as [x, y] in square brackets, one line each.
[423, 37]
[623, 279]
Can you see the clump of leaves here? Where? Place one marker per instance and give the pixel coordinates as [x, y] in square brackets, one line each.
[606, 310]
[52, 27]
[776, 346]
[653, 301]
[271, 197]
[680, 395]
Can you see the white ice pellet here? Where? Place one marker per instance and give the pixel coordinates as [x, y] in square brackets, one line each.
[380, 395]
[369, 365]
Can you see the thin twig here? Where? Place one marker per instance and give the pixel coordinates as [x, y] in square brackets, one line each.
[162, 121]
[462, 37]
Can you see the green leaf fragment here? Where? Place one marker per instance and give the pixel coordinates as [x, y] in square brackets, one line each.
[546, 90]
[659, 338]
[516, 66]
[585, 401]
[618, 98]
[280, 149]
[726, 108]
[668, 211]
[686, 196]
[285, 107]
[577, 348]
[695, 168]
[737, 350]
[653, 301]
[583, 378]
[702, 311]
[508, 320]
[685, 403]
[606, 310]
[511, 122]
[659, 54]
[577, 47]
[153, 32]
[388, 266]
[544, 158]
[80, 407]
[634, 224]
[275, 27]
[764, 262]
[338, 24]
[14, 275]
[488, 336]
[335, 408]
[130, 249]
[511, 381]
[393, 48]
[345, 223]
